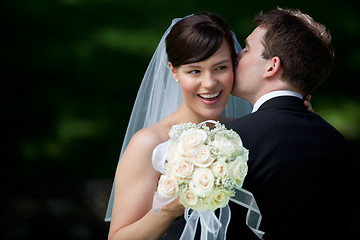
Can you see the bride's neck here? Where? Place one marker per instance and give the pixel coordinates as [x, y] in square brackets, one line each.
[185, 115]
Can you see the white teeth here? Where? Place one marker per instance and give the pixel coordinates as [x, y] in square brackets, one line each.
[209, 95]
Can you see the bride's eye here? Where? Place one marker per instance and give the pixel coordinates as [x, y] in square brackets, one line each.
[194, 71]
[221, 68]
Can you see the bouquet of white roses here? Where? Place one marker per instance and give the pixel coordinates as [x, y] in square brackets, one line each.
[203, 166]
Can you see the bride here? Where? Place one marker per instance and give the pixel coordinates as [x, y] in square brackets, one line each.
[190, 82]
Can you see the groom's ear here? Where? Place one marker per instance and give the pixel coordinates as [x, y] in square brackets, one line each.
[273, 67]
[173, 71]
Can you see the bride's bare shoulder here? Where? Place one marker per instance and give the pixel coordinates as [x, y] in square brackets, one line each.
[151, 136]
[140, 148]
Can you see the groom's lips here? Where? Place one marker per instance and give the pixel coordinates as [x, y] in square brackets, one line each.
[210, 98]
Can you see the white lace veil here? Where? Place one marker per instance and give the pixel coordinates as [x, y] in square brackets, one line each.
[159, 95]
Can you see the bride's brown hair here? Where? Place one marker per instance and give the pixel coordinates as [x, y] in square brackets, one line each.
[196, 38]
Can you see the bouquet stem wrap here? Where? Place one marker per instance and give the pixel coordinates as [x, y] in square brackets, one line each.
[212, 227]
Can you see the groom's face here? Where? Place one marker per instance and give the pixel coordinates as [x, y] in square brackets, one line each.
[250, 68]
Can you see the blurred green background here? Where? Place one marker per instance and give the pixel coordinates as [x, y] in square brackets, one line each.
[71, 74]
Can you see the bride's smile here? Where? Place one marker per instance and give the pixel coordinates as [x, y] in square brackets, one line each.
[210, 98]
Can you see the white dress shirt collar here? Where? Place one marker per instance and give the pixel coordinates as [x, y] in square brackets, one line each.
[273, 94]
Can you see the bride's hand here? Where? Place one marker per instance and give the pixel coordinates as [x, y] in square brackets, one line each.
[174, 209]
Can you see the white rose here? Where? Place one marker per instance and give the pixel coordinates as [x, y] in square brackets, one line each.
[219, 198]
[168, 186]
[192, 138]
[237, 141]
[173, 152]
[219, 169]
[182, 168]
[201, 156]
[225, 146]
[188, 198]
[239, 169]
[202, 181]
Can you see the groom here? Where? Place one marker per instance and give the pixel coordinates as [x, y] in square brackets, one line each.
[301, 170]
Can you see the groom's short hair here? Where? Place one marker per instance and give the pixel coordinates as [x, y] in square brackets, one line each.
[302, 44]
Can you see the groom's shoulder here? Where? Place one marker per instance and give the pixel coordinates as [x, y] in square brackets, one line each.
[241, 122]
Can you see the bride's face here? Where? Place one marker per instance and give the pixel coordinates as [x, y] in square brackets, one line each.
[206, 85]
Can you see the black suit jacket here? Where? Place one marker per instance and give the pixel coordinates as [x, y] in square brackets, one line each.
[301, 172]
